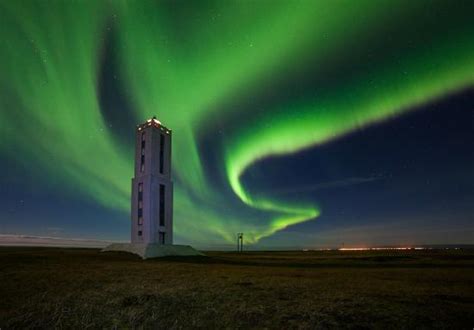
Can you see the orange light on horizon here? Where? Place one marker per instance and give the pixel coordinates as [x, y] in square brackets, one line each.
[382, 248]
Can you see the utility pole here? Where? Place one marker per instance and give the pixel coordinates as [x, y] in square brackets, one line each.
[240, 242]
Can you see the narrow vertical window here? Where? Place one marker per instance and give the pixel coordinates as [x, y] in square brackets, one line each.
[162, 204]
[140, 191]
[140, 204]
[162, 147]
[142, 158]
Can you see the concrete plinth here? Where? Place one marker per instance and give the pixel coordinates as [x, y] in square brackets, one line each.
[148, 251]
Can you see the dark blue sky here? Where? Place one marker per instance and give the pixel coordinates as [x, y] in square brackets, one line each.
[409, 180]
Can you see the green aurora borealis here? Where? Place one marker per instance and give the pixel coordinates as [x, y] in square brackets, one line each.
[193, 64]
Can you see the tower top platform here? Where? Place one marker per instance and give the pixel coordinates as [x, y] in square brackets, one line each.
[153, 122]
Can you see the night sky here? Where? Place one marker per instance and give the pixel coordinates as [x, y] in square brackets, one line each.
[299, 123]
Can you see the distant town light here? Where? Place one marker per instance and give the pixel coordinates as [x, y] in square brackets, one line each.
[382, 248]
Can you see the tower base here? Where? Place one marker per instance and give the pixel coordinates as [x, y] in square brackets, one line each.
[148, 251]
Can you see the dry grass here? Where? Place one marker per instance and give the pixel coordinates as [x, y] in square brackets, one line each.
[82, 288]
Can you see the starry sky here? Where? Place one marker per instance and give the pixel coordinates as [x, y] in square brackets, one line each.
[300, 123]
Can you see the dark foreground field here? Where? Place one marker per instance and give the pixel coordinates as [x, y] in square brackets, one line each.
[83, 288]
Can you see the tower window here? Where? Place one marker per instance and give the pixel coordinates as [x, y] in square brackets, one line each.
[162, 204]
[140, 213]
[162, 147]
[143, 140]
[142, 163]
[139, 233]
[140, 221]
[140, 194]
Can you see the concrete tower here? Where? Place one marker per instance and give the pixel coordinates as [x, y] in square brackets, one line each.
[152, 188]
[152, 197]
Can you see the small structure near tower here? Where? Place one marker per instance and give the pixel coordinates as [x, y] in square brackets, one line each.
[152, 196]
[240, 242]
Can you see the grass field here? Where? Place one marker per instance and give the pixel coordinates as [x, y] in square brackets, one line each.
[83, 288]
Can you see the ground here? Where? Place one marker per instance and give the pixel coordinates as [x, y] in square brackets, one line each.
[84, 288]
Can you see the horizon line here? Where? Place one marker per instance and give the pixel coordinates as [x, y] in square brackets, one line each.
[25, 240]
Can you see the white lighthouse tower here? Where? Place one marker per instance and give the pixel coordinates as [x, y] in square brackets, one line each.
[152, 188]
[152, 196]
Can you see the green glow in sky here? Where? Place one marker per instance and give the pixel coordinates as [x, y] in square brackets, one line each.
[186, 62]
